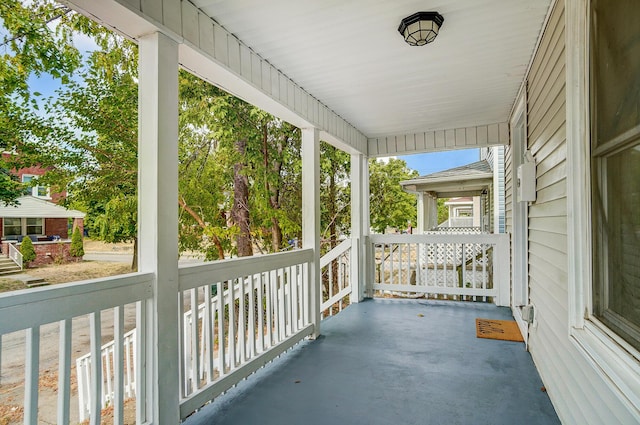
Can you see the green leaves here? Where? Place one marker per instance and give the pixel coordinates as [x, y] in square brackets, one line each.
[390, 206]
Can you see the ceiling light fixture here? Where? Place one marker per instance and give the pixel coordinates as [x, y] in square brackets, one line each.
[420, 28]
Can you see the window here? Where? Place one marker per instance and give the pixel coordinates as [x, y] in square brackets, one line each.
[12, 226]
[615, 152]
[37, 190]
[602, 141]
[34, 226]
[22, 226]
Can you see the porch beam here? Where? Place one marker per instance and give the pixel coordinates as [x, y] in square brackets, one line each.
[158, 220]
[440, 140]
[311, 220]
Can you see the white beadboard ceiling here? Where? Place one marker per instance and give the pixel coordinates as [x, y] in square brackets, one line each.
[350, 56]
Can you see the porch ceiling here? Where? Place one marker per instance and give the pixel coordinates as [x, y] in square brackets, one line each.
[350, 56]
[343, 68]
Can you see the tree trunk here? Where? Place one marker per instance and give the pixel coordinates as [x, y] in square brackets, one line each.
[276, 234]
[273, 194]
[240, 209]
[134, 262]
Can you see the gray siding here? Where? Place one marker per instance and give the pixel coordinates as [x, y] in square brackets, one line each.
[579, 394]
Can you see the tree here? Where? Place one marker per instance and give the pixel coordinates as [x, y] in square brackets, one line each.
[77, 248]
[335, 194]
[10, 188]
[390, 206]
[31, 47]
[443, 210]
[239, 166]
[27, 250]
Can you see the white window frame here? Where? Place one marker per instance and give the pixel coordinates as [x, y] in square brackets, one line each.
[34, 189]
[4, 226]
[23, 226]
[612, 358]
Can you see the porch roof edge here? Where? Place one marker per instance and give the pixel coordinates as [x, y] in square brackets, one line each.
[479, 136]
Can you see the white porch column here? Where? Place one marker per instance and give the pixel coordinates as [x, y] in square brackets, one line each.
[359, 226]
[158, 220]
[421, 221]
[427, 211]
[477, 212]
[368, 258]
[311, 219]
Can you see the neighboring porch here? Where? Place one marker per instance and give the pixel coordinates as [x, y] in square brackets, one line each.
[389, 361]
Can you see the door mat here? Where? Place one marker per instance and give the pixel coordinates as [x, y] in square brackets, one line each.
[506, 330]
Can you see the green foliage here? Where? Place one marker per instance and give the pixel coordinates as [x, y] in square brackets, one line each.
[77, 246]
[390, 206]
[443, 210]
[10, 188]
[211, 122]
[335, 195]
[27, 250]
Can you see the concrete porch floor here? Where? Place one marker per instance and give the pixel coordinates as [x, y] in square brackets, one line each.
[381, 362]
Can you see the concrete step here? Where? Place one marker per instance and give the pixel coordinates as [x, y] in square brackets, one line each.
[35, 282]
[15, 270]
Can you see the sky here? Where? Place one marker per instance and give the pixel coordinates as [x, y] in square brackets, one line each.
[428, 163]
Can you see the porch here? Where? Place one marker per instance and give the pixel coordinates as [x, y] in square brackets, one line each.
[388, 361]
[252, 310]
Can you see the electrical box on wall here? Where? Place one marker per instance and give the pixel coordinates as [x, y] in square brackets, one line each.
[527, 182]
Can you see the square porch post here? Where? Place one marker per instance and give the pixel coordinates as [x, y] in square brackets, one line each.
[359, 226]
[311, 219]
[158, 224]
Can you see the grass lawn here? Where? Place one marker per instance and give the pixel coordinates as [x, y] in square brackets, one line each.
[8, 284]
[72, 272]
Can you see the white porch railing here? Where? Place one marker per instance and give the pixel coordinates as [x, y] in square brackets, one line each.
[335, 274]
[457, 222]
[273, 315]
[108, 384]
[15, 255]
[47, 313]
[455, 230]
[454, 266]
[255, 309]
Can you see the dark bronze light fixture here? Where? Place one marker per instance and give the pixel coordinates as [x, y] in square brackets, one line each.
[420, 28]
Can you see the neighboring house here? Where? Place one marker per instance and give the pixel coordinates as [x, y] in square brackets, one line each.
[48, 225]
[467, 187]
[38, 217]
[29, 176]
[463, 212]
[475, 192]
[41, 219]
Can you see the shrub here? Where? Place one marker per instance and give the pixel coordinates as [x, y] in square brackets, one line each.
[27, 250]
[77, 247]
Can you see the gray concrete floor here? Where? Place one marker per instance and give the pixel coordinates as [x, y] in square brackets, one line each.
[393, 362]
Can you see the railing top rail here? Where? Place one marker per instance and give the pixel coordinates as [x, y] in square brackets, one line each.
[440, 238]
[69, 300]
[335, 253]
[195, 275]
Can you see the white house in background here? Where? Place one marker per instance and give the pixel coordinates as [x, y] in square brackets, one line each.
[475, 194]
[463, 212]
[555, 86]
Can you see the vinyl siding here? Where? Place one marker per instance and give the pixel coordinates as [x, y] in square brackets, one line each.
[508, 190]
[578, 393]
